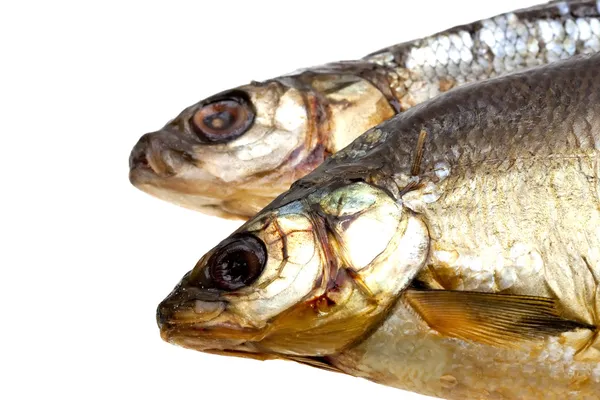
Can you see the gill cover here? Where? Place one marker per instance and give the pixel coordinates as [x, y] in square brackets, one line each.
[370, 250]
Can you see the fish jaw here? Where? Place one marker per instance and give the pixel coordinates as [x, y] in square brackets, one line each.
[208, 196]
[199, 320]
[212, 339]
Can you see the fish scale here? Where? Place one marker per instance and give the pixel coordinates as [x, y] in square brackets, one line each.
[425, 68]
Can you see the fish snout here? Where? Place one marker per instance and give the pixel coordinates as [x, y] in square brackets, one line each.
[137, 158]
[152, 154]
[163, 315]
[188, 306]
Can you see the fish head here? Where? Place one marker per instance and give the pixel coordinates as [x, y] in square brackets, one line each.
[308, 278]
[223, 154]
[231, 154]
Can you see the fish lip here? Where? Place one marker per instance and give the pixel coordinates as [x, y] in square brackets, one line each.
[159, 166]
[218, 338]
[198, 195]
[157, 159]
[141, 174]
[164, 152]
[170, 190]
[185, 337]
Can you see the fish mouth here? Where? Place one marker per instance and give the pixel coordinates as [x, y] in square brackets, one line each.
[199, 320]
[218, 339]
[159, 154]
[200, 196]
[222, 337]
[188, 194]
[200, 339]
[211, 197]
[174, 176]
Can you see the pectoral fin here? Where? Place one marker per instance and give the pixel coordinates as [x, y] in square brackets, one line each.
[490, 318]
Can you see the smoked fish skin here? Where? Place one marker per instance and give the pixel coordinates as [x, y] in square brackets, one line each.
[453, 250]
[265, 135]
[491, 47]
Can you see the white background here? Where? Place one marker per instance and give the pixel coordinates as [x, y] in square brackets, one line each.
[85, 257]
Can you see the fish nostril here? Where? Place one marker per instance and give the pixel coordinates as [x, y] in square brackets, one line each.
[162, 315]
[138, 157]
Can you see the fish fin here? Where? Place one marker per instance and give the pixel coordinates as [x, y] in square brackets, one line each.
[313, 361]
[490, 318]
[415, 169]
[318, 362]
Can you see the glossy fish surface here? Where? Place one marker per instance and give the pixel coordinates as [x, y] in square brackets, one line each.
[234, 152]
[453, 250]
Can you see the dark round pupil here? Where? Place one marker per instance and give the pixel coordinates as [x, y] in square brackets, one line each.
[236, 267]
[220, 120]
[237, 263]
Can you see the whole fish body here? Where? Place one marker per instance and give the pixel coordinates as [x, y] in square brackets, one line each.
[453, 250]
[234, 152]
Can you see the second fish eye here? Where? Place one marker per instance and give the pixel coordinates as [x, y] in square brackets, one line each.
[223, 120]
[237, 263]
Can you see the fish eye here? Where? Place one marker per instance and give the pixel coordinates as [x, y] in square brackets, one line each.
[238, 262]
[224, 119]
